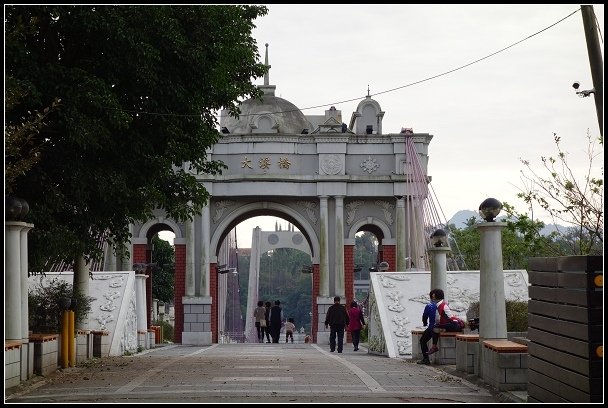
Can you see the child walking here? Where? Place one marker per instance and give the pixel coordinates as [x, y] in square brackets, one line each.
[290, 327]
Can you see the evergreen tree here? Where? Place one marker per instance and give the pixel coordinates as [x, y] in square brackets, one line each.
[139, 88]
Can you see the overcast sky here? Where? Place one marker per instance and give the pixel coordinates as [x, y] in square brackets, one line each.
[483, 117]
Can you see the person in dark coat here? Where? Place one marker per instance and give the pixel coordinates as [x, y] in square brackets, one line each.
[276, 321]
[337, 319]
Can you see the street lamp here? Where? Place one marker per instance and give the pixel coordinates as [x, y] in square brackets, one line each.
[439, 238]
[489, 209]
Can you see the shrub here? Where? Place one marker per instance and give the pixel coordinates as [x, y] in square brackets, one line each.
[517, 314]
[364, 334]
[44, 308]
[167, 330]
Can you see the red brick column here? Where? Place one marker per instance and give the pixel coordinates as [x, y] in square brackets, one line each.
[179, 291]
[349, 273]
[349, 279]
[315, 292]
[149, 304]
[389, 255]
[213, 289]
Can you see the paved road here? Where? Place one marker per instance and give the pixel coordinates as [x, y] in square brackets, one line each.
[251, 373]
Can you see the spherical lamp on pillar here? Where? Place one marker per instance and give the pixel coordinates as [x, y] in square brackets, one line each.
[438, 255]
[492, 311]
[13, 207]
[489, 209]
[439, 238]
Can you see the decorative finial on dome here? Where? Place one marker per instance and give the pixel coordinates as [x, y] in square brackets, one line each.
[267, 74]
[368, 90]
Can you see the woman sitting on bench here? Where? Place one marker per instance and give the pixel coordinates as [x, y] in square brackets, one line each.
[447, 321]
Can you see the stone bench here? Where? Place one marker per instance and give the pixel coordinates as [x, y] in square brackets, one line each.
[446, 344]
[467, 353]
[46, 353]
[12, 363]
[101, 343]
[504, 364]
[84, 345]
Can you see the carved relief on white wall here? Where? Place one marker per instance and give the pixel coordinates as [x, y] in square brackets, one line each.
[311, 210]
[401, 323]
[129, 339]
[331, 164]
[395, 297]
[220, 207]
[399, 300]
[110, 299]
[103, 319]
[351, 211]
[369, 165]
[387, 209]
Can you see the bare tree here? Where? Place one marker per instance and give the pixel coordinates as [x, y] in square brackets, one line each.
[577, 202]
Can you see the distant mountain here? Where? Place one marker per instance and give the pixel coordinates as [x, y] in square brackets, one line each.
[461, 217]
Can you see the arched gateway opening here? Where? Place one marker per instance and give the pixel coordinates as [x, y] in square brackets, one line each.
[329, 179]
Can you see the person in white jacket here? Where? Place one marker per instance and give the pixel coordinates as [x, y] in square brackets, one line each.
[290, 327]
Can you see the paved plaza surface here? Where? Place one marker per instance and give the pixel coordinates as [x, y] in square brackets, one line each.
[252, 373]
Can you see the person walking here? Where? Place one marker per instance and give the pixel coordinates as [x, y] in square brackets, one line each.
[337, 319]
[267, 317]
[290, 327]
[259, 315]
[428, 320]
[356, 322]
[276, 321]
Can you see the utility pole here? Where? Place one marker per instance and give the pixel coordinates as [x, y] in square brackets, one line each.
[595, 62]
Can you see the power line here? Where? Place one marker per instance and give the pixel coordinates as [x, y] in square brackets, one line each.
[377, 93]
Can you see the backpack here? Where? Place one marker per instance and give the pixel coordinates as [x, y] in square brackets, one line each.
[459, 322]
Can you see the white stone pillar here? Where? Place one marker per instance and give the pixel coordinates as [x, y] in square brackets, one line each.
[253, 284]
[205, 256]
[492, 310]
[439, 274]
[127, 263]
[339, 247]
[111, 257]
[24, 282]
[142, 318]
[323, 248]
[81, 284]
[400, 249]
[12, 281]
[154, 310]
[190, 283]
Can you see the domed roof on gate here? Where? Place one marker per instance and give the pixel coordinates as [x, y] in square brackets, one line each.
[277, 114]
[268, 114]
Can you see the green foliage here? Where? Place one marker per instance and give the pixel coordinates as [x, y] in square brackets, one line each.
[163, 273]
[364, 333]
[281, 278]
[139, 88]
[517, 316]
[366, 253]
[521, 240]
[44, 310]
[576, 201]
[516, 311]
[167, 329]
[468, 240]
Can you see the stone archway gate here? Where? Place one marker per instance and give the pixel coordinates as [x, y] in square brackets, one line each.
[329, 185]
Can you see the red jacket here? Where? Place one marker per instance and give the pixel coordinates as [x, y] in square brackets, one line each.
[355, 319]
